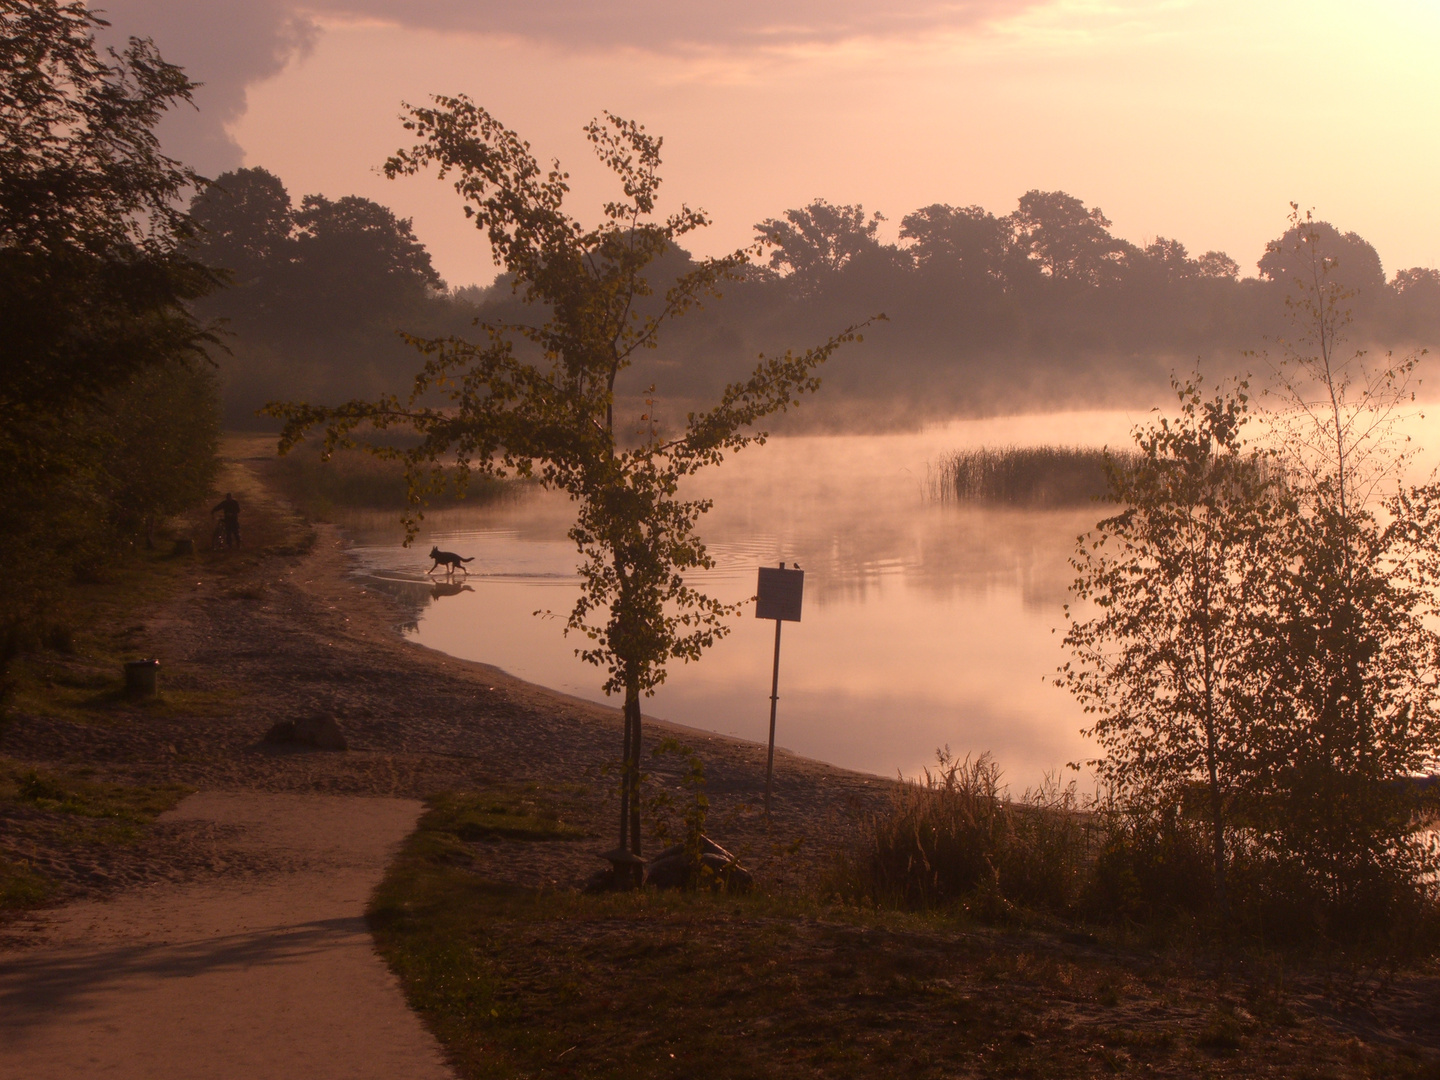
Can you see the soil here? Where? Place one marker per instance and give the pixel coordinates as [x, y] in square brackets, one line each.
[293, 633]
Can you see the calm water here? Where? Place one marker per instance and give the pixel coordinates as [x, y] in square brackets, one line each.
[924, 625]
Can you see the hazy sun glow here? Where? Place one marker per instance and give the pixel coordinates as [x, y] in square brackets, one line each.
[1199, 121]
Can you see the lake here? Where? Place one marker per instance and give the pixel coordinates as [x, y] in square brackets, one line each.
[925, 624]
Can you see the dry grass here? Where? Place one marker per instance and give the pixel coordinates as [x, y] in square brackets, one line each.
[543, 983]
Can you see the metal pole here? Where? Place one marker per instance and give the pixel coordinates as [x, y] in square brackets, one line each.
[774, 697]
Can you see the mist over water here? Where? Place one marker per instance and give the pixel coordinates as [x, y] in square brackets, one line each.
[925, 624]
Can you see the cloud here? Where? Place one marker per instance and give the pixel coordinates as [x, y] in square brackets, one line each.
[227, 47]
[668, 25]
[232, 45]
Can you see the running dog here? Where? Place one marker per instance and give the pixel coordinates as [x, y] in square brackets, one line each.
[449, 560]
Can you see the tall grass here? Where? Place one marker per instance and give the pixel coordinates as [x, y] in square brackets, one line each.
[1026, 475]
[954, 838]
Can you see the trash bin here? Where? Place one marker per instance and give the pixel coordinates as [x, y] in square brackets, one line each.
[142, 678]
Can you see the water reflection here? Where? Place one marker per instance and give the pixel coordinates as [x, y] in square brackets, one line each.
[925, 624]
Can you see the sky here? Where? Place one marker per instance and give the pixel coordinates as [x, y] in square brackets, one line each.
[1199, 120]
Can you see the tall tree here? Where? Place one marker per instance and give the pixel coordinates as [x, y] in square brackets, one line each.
[1173, 588]
[244, 224]
[1353, 265]
[96, 283]
[965, 239]
[1067, 241]
[814, 244]
[1356, 707]
[94, 273]
[538, 399]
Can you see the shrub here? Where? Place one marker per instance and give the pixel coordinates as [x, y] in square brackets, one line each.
[954, 837]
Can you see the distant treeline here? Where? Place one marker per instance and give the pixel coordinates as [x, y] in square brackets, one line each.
[1039, 307]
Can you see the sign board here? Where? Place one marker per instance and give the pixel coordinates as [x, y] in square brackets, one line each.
[779, 594]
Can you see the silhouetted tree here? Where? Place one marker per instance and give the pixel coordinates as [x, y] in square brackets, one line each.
[812, 245]
[245, 224]
[1066, 241]
[97, 279]
[1354, 266]
[969, 242]
[1178, 580]
[538, 398]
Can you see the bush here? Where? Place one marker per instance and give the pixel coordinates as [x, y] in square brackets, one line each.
[1153, 862]
[954, 837]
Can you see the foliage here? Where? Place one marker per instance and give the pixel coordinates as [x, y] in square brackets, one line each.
[812, 245]
[1167, 663]
[537, 399]
[94, 277]
[954, 838]
[105, 410]
[1259, 629]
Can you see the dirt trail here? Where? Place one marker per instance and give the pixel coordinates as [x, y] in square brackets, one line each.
[249, 975]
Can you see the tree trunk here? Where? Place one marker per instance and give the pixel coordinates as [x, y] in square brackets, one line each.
[632, 766]
[625, 783]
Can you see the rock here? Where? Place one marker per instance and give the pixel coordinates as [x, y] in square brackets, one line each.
[672, 869]
[281, 732]
[320, 731]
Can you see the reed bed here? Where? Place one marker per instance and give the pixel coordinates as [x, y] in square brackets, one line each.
[355, 480]
[1026, 475]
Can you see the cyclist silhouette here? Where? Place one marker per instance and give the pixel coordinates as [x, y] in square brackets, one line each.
[230, 509]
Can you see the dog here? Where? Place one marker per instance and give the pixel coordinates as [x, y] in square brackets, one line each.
[449, 560]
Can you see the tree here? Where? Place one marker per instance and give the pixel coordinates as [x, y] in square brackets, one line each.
[969, 239]
[1217, 266]
[1354, 266]
[94, 274]
[1067, 241]
[354, 250]
[814, 244]
[1177, 580]
[538, 399]
[96, 282]
[1264, 630]
[1355, 707]
[244, 223]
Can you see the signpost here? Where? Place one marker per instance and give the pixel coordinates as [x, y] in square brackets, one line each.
[777, 597]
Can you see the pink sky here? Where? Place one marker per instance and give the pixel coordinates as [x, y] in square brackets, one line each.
[1195, 119]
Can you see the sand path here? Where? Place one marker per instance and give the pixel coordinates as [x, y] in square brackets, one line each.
[252, 975]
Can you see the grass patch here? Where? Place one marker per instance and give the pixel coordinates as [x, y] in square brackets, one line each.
[521, 982]
[22, 887]
[1025, 475]
[77, 795]
[61, 813]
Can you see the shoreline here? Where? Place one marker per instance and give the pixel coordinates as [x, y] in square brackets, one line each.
[283, 633]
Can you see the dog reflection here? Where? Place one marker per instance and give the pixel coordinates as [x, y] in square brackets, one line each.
[449, 588]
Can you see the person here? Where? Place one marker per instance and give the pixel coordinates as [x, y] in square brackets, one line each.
[230, 509]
